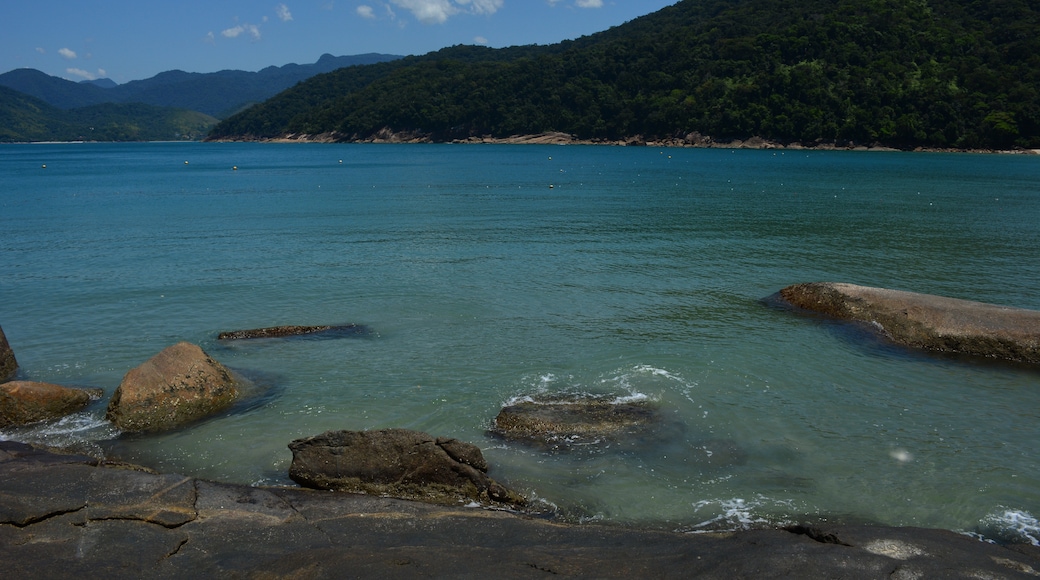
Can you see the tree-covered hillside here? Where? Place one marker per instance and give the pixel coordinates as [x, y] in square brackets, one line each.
[904, 73]
[24, 118]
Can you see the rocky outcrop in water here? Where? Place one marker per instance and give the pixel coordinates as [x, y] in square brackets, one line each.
[563, 422]
[926, 321]
[179, 385]
[286, 331]
[25, 402]
[398, 463]
[70, 516]
[8, 364]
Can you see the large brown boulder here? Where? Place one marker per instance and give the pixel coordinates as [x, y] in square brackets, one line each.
[179, 385]
[398, 463]
[927, 321]
[25, 402]
[8, 364]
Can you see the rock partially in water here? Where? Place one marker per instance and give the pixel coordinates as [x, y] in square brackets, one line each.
[565, 422]
[927, 321]
[325, 331]
[179, 385]
[8, 364]
[397, 463]
[26, 402]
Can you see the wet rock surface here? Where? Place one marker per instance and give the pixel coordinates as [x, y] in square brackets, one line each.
[327, 331]
[65, 516]
[8, 364]
[177, 386]
[567, 422]
[398, 463]
[25, 402]
[927, 321]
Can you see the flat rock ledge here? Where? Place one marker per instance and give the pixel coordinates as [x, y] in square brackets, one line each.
[927, 321]
[68, 516]
[287, 331]
[398, 463]
[26, 402]
[8, 364]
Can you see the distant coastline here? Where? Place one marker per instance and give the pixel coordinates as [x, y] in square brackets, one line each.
[690, 141]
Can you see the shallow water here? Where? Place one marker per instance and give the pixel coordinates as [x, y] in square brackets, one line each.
[485, 273]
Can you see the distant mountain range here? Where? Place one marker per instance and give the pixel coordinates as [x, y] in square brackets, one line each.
[35, 106]
[217, 94]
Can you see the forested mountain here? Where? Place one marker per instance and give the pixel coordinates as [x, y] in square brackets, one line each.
[903, 73]
[26, 118]
[217, 94]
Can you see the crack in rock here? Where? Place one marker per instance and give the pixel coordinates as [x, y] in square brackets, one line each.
[816, 534]
[175, 550]
[38, 519]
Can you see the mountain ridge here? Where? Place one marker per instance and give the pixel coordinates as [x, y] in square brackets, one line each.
[217, 94]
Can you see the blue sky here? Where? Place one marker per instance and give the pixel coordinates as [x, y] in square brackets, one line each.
[133, 39]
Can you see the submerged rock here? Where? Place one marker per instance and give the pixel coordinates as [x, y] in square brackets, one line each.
[179, 385]
[398, 463]
[284, 331]
[25, 402]
[8, 364]
[565, 422]
[927, 321]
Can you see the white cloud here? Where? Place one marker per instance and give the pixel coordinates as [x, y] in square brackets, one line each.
[589, 3]
[438, 11]
[365, 11]
[283, 13]
[482, 6]
[41, 50]
[236, 31]
[480, 40]
[67, 53]
[428, 11]
[85, 75]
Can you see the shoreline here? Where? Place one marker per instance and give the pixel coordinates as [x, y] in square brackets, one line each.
[690, 141]
[66, 515]
[557, 138]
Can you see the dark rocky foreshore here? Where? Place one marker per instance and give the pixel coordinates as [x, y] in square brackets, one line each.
[63, 516]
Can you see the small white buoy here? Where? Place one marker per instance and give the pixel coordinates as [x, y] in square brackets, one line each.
[341, 161]
[551, 186]
[44, 166]
[185, 162]
[550, 158]
[234, 168]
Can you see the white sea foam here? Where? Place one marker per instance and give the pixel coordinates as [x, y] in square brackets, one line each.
[619, 387]
[1012, 524]
[68, 431]
[737, 514]
[658, 372]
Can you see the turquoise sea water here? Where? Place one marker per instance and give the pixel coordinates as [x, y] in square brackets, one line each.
[487, 273]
